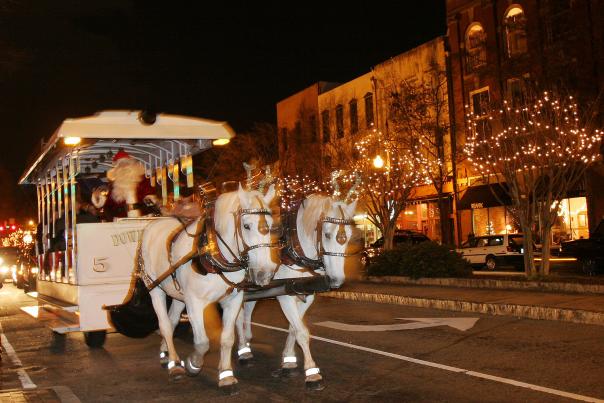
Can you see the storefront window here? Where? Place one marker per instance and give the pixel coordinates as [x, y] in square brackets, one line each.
[493, 220]
[571, 222]
[422, 217]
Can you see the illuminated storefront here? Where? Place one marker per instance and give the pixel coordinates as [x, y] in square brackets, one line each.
[421, 216]
[483, 213]
[571, 222]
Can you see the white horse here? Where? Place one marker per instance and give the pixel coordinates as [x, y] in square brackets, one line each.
[242, 222]
[335, 220]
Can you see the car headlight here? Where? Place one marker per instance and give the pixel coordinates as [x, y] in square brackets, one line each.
[4, 269]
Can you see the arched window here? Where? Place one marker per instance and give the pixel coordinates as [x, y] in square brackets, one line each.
[476, 47]
[514, 24]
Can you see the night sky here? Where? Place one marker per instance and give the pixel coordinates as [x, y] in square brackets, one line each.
[233, 62]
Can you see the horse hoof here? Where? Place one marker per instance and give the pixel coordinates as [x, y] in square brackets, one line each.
[164, 359]
[246, 361]
[230, 390]
[192, 370]
[285, 372]
[176, 372]
[315, 385]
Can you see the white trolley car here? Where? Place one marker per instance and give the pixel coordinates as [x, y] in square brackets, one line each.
[94, 266]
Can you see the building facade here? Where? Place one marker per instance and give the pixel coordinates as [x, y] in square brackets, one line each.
[494, 50]
[300, 150]
[499, 50]
[345, 113]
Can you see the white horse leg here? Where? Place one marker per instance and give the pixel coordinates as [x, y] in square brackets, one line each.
[244, 332]
[175, 367]
[290, 309]
[195, 309]
[231, 307]
[289, 360]
[174, 314]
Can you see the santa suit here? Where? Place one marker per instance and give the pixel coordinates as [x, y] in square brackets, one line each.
[127, 189]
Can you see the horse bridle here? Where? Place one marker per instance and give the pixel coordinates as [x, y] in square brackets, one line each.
[263, 228]
[341, 236]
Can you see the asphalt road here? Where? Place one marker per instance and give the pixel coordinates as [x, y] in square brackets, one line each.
[498, 359]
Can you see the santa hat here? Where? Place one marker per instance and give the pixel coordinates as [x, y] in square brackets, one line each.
[119, 155]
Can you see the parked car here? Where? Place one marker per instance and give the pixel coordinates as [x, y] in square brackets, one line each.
[400, 236]
[495, 251]
[8, 262]
[589, 252]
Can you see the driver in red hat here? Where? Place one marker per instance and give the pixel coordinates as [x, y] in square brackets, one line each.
[128, 187]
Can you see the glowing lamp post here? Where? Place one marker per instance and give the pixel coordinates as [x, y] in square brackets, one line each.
[378, 162]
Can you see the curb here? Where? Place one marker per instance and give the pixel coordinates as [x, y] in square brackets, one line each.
[575, 288]
[522, 311]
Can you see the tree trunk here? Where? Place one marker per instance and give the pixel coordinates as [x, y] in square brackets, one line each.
[545, 251]
[529, 260]
[389, 235]
[444, 213]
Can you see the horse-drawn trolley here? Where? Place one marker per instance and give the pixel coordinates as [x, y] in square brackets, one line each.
[90, 213]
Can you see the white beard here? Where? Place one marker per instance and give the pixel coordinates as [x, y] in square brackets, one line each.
[125, 176]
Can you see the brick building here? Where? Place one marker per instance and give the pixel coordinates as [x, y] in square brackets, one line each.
[497, 50]
[494, 50]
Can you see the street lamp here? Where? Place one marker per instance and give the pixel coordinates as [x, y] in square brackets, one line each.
[378, 161]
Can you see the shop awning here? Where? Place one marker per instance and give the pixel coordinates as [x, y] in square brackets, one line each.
[484, 196]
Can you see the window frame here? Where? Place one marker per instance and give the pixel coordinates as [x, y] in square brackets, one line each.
[513, 30]
[476, 56]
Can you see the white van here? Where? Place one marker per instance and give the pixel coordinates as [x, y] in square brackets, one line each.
[494, 251]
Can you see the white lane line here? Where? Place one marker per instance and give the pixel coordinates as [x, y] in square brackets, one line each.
[449, 368]
[10, 351]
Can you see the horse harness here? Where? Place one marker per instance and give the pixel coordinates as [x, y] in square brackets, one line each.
[292, 252]
[206, 256]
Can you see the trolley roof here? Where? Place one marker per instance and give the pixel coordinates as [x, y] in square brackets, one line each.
[93, 140]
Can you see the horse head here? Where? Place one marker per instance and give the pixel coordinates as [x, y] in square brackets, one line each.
[254, 223]
[336, 225]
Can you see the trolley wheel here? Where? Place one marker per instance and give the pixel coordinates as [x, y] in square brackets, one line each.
[95, 339]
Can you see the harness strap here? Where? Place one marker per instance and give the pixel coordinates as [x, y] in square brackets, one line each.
[172, 269]
[293, 249]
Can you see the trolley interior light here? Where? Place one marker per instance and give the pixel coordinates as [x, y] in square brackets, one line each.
[221, 142]
[71, 141]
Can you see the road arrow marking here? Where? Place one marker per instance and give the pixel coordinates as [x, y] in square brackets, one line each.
[462, 324]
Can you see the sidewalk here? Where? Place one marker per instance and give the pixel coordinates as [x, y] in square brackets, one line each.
[584, 308]
[57, 394]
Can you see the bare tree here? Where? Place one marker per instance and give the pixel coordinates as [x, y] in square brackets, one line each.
[390, 173]
[536, 154]
[418, 110]
[257, 146]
